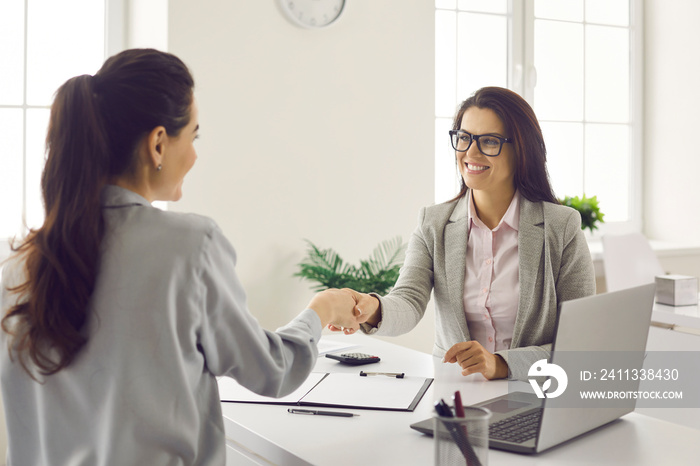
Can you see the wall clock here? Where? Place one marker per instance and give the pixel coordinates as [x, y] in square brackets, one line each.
[312, 14]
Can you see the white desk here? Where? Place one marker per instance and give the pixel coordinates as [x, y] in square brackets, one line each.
[685, 337]
[683, 316]
[267, 434]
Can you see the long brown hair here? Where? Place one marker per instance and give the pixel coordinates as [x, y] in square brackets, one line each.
[531, 177]
[95, 127]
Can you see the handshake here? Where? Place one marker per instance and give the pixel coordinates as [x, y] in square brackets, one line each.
[344, 310]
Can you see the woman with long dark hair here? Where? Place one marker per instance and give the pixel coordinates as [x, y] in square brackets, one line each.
[499, 257]
[117, 316]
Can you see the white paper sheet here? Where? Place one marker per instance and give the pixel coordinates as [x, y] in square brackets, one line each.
[331, 346]
[371, 392]
[230, 390]
[336, 389]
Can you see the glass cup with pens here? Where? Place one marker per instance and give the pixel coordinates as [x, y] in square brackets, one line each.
[462, 435]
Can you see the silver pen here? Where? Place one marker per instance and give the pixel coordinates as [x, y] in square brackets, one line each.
[315, 412]
[398, 375]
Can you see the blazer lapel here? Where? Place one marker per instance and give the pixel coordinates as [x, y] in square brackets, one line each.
[530, 249]
[456, 235]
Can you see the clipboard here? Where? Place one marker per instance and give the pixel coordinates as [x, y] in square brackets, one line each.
[339, 390]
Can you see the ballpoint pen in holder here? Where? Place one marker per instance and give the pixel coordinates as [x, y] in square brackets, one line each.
[461, 440]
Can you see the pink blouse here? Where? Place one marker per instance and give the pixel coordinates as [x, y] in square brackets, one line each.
[491, 285]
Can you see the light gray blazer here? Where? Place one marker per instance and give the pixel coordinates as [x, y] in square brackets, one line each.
[555, 266]
[167, 315]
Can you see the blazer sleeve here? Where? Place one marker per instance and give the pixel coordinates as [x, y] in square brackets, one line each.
[574, 278]
[404, 307]
[232, 340]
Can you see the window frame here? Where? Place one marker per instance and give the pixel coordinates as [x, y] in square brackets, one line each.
[116, 29]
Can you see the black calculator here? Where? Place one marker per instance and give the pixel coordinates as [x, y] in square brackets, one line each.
[354, 359]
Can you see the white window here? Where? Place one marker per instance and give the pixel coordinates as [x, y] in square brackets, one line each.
[42, 44]
[578, 63]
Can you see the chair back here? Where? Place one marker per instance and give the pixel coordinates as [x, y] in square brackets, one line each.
[629, 261]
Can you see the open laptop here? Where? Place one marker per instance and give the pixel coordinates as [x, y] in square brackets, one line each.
[593, 335]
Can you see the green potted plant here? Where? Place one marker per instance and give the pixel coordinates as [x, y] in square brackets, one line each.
[588, 208]
[377, 274]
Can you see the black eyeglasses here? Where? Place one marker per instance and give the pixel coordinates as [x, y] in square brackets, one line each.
[488, 144]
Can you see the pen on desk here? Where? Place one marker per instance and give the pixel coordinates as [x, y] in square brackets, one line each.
[676, 328]
[315, 412]
[398, 375]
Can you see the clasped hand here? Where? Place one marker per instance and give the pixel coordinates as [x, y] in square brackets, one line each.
[365, 309]
[337, 308]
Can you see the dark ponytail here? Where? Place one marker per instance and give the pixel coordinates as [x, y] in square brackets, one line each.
[95, 127]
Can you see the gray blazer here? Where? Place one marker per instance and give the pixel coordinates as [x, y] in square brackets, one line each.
[167, 315]
[555, 266]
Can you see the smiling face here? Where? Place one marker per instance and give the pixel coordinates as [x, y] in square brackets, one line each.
[492, 175]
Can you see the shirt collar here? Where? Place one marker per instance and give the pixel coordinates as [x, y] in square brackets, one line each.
[510, 218]
[116, 196]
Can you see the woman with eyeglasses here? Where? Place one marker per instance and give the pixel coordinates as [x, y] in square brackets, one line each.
[499, 257]
[117, 316]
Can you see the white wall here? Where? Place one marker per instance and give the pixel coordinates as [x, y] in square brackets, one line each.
[146, 24]
[319, 134]
[672, 99]
[349, 109]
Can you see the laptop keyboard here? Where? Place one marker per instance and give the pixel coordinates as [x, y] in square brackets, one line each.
[516, 429]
